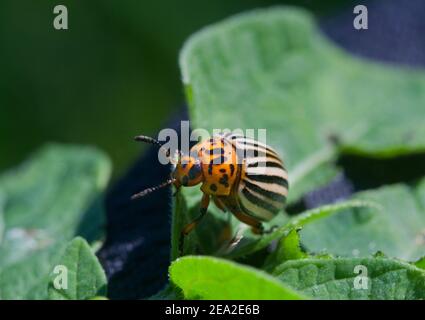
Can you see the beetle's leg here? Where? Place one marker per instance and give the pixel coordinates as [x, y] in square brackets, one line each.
[219, 204]
[190, 226]
[257, 227]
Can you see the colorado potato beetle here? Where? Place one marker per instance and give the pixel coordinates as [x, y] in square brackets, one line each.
[240, 174]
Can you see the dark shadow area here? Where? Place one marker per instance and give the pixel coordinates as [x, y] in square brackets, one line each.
[362, 173]
[136, 253]
[395, 31]
[338, 189]
[370, 173]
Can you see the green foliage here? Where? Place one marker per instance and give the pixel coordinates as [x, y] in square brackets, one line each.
[289, 248]
[335, 278]
[420, 263]
[46, 201]
[326, 277]
[397, 229]
[212, 278]
[85, 276]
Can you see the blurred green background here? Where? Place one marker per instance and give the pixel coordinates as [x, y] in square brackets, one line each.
[113, 74]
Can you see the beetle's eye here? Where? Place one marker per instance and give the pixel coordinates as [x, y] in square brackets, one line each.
[195, 171]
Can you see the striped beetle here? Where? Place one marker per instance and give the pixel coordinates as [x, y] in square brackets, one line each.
[240, 174]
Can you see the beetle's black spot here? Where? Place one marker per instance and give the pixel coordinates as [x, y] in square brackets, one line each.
[232, 169]
[213, 187]
[222, 170]
[184, 165]
[224, 180]
[185, 180]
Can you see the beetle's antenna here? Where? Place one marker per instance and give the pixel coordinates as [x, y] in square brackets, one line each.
[152, 189]
[173, 159]
[155, 142]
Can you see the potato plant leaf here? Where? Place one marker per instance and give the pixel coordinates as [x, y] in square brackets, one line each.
[203, 277]
[354, 278]
[398, 229]
[288, 248]
[78, 275]
[47, 199]
[420, 263]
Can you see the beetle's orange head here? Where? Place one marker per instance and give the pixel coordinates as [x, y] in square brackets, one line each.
[188, 172]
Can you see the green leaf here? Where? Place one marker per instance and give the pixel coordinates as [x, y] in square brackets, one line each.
[80, 272]
[213, 278]
[336, 278]
[420, 263]
[47, 201]
[288, 248]
[398, 229]
[27, 278]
